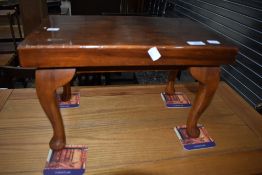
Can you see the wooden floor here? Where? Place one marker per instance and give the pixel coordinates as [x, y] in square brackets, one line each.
[129, 131]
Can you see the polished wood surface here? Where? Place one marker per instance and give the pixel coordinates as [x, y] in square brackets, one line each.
[121, 41]
[46, 91]
[171, 82]
[110, 43]
[208, 78]
[4, 95]
[134, 137]
[66, 95]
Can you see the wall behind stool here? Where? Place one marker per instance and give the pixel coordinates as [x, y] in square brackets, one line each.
[240, 21]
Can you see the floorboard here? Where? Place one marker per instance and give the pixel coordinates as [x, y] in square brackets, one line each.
[129, 131]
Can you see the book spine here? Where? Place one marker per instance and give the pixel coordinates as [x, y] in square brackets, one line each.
[68, 105]
[178, 105]
[49, 155]
[163, 97]
[64, 172]
[178, 134]
[200, 146]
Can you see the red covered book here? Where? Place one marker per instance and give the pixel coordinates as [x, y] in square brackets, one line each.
[178, 100]
[189, 143]
[72, 103]
[69, 161]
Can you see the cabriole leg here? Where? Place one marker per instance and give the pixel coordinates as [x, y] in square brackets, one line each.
[208, 78]
[47, 81]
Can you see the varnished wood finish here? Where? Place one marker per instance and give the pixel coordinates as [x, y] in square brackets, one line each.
[121, 41]
[208, 78]
[66, 95]
[47, 81]
[113, 43]
[170, 87]
[134, 138]
[4, 94]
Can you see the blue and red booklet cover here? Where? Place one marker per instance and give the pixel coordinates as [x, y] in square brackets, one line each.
[69, 161]
[203, 141]
[74, 102]
[178, 100]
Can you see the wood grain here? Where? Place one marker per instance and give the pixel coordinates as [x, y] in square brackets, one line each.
[124, 44]
[129, 131]
[4, 94]
[47, 81]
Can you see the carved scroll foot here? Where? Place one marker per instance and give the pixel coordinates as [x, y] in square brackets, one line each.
[170, 87]
[208, 78]
[47, 81]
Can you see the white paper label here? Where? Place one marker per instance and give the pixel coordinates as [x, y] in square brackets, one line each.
[196, 43]
[52, 29]
[154, 53]
[213, 42]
